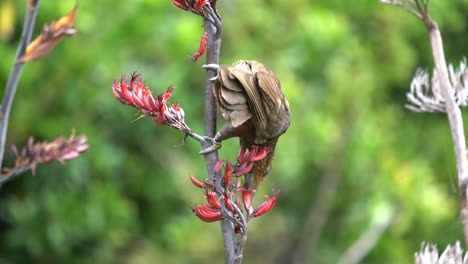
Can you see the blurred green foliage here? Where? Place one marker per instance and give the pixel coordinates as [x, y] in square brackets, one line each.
[345, 67]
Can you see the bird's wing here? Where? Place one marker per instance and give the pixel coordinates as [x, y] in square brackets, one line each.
[231, 97]
[274, 103]
[253, 96]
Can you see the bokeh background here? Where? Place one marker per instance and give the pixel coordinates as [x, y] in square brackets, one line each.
[354, 160]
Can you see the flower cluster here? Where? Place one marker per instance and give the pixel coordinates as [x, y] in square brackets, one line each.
[138, 95]
[429, 254]
[51, 36]
[426, 94]
[60, 149]
[194, 6]
[228, 198]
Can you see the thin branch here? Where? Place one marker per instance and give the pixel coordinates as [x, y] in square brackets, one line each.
[13, 173]
[410, 6]
[367, 241]
[243, 240]
[319, 210]
[15, 74]
[213, 51]
[454, 117]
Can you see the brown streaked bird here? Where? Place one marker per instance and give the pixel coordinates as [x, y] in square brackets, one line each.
[256, 110]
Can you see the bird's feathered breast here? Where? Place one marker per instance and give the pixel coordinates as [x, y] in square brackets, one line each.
[249, 90]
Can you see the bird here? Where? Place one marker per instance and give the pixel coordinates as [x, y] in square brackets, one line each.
[255, 109]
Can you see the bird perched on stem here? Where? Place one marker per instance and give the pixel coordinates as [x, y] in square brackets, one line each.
[256, 110]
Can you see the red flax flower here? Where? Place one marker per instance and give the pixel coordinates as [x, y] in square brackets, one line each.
[138, 95]
[211, 198]
[247, 200]
[207, 213]
[194, 6]
[246, 158]
[223, 188]
[266, 206]
[201, 49]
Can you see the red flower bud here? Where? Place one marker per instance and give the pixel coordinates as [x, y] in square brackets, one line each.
[211, 198]
[208, 184]
[261, 153]
[180, 4]
[247, 199]
[266, 206]
[202, 48]
[199, 4]
[228, 170]
[207, 214]
[228, 203]
[196, 182]
[244, 168]
[247, 157]
[217, 166]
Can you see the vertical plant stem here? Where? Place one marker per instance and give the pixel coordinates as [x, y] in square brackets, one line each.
[326, 192]
[454, 117]
[13, 79]
[212, 57]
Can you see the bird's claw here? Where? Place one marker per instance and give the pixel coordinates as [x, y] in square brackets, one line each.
[214, 67]
[215, 145]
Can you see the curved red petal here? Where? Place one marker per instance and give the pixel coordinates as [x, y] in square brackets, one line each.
[196, 182]
[211, 198]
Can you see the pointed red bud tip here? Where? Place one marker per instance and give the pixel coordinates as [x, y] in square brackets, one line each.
[228, 170]
[228, 203]
[199, 4]
[244, 168]
[217, 166]
[180, 4]
[207, 213]
[201, 49]
[261, 153]
[266, 206]
[243, 155]
[238, 202]
[211, 198]
[247, 199]
[167, 94]
[196, 182]
[207, 184]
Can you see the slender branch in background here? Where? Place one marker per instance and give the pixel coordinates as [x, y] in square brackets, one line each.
[13, 173]
[367, 241]
[13, 79]
[214, 29]
[319, 210]
[447, 88]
